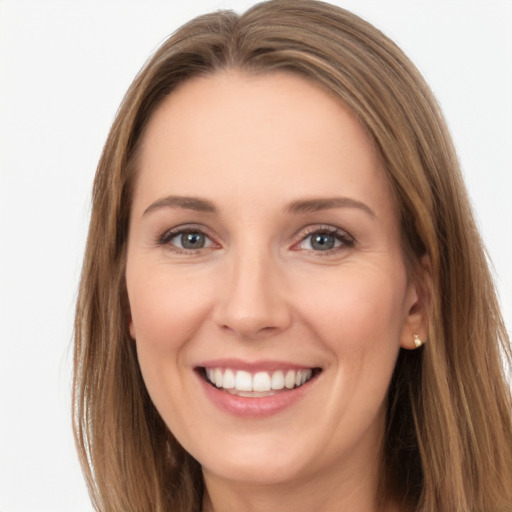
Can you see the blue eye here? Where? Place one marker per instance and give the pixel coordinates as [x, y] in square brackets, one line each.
[191, 240]
[185, 239]
[326, 240]
[322, 241]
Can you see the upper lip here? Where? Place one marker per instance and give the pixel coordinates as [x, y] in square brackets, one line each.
[254, 366]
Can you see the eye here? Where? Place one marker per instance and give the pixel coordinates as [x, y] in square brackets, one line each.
[185, 239]
[320, 242]
[327, 239]
[190, 240]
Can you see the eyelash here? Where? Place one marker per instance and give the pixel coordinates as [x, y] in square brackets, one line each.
[345, 240]
[167, 236]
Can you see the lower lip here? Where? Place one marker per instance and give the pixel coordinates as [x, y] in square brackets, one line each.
[258, 407]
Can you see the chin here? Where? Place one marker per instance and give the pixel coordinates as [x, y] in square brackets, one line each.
[260, 469]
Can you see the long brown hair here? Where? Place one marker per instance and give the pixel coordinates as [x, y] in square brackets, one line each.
[448, 444]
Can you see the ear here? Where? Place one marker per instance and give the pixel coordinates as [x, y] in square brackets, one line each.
[132, 328]
[128, 316]
[127, 312]
[415, 327]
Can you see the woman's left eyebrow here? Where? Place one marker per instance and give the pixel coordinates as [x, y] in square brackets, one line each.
[318, 204]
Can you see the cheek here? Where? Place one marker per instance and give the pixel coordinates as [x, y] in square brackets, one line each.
[358, 317]
[358, 309]
[363, 322]
[165, 310]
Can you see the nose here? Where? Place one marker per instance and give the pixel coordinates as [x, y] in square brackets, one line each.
[252, 303]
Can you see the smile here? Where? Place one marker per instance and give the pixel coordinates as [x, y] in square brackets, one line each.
[252, 390]
[257, 384]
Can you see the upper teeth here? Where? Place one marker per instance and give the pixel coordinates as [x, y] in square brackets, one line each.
[242, 380]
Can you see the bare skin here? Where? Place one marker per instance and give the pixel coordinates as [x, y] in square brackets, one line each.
[263, 239]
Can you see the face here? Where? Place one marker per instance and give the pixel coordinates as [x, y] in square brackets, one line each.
[266, 280]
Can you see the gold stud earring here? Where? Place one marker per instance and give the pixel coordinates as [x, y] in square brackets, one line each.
[417, 341]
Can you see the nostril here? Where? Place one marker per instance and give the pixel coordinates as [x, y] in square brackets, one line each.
[253, 304]
[250, 331]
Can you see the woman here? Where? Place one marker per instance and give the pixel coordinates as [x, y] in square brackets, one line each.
[285, 304]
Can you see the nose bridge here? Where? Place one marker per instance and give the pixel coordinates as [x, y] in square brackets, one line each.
[253, 300]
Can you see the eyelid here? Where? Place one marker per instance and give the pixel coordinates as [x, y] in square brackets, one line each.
[164, 238]
[347, 240]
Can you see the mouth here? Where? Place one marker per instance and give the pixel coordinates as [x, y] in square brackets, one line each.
[257, 384]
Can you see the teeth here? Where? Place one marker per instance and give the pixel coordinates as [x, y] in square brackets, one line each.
[259, 382]
[218, 377]
[229, 380]
[277, 380]
[289, 380]
[243, 381]
[306, 375]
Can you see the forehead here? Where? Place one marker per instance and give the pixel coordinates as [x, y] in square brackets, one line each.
[267, 110]
[256, 133]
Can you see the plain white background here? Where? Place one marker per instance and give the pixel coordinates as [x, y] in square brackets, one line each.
[64, 67]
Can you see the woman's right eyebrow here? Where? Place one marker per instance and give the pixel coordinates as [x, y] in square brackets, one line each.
[186, 202]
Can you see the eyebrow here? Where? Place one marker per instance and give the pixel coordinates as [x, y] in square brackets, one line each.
[188, 203]
[315, 205]
[296, 207]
